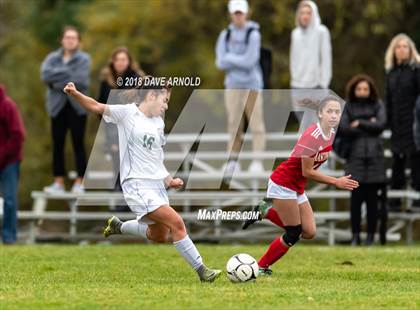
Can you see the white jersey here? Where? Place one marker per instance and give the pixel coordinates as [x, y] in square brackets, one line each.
[141, 141]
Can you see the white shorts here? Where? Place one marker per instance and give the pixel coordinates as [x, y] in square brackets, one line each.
[144, 196]
[280, 192]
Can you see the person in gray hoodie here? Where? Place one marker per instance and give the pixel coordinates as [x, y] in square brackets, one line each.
[310, 49]
[66, 64]
[238, 54]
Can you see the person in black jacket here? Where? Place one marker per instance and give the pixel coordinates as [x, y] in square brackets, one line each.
[417, 124]
[362, 123]
[402, 90]
[121, 65]
[120, 69]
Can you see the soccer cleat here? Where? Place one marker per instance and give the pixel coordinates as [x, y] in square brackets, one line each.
[113, 226]
[265, 272]
[209, 275]
[262, 208]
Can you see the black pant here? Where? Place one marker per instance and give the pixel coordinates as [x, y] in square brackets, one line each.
[399, 164]
[364, 193]
[65, 120]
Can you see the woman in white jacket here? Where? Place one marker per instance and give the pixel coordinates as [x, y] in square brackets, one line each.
[310, 50]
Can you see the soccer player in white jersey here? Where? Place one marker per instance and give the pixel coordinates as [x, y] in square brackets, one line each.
[144, 177]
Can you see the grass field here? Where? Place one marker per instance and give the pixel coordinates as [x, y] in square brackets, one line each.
[154, 276]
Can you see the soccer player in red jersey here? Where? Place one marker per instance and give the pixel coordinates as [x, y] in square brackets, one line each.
[287, 205]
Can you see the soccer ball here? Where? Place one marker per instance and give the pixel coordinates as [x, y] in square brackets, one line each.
[242, 268]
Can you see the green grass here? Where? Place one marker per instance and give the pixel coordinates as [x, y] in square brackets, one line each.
[154, 276]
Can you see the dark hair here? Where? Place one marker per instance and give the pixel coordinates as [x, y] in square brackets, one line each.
[318, 105]
[354, 81]
[109, 74]
[327, 99]
[70, 28]
[138, 94]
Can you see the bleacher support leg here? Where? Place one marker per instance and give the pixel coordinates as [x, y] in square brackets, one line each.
[409, 231]
[73, 219]
[32, 232]
[331, 233]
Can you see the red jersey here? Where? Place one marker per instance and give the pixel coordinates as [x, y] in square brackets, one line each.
[312, 143]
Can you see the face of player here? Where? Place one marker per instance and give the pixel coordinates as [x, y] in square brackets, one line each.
[402, 51]
[121, 62]
[238, 19]
[305, 15]
[330, 114]
[159, 102]
[362, 90]
[70, 40]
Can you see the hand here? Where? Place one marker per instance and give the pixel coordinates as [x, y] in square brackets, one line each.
[176, 183]
[354, 124]
[347, 183]
[70, 88]
[373, 119]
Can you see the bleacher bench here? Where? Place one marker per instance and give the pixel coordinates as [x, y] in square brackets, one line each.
[73, 215]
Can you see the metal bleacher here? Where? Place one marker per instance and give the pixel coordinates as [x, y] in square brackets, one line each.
[246, 188]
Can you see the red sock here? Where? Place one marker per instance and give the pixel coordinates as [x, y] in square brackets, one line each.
[275, 251]
[273, 216]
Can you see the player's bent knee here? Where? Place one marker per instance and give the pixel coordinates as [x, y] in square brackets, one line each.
[309, 234]
[160, 238]
[292, 234]
[159, 234]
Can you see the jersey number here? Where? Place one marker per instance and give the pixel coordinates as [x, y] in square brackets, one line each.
[148, 141]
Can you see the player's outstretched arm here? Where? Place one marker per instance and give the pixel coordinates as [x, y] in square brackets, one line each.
[309, 172]
[87, 102]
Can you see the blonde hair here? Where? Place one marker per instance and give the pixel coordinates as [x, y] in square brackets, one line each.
[390, 52]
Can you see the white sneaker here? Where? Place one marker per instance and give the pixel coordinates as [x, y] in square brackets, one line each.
[55, 188]
[256, 166]
[232, 166]
[77, 188]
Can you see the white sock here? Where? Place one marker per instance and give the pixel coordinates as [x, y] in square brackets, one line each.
[133, 227]
[187, 249]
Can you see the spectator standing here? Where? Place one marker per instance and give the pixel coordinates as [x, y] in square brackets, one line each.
[66, 64]
[310, 56]
[310, 49]
[121, 65]
[12, 135]
[417, 124]
[402, 65]
[238, 54]
[362, 124]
